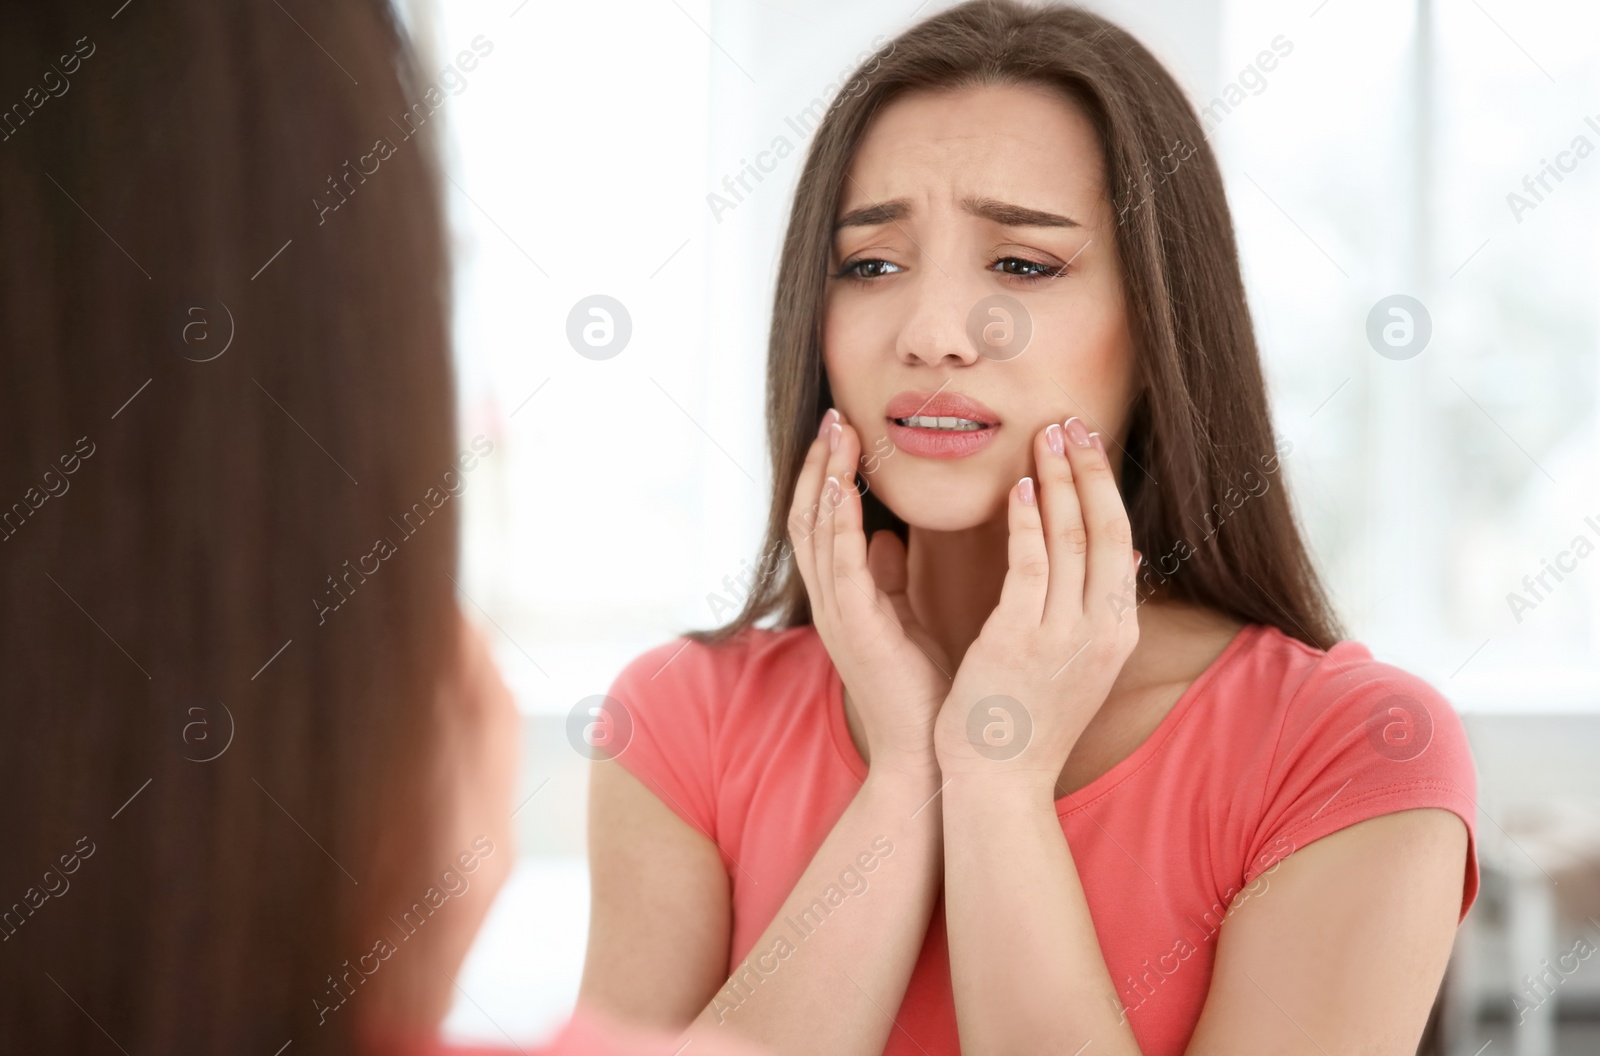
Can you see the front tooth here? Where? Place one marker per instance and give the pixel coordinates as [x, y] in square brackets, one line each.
[922, 421]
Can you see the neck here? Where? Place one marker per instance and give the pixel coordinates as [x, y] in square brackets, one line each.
[954, 581]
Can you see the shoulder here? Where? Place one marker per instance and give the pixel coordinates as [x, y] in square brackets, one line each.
[1345, 699]
[1351, 737]
[685, 675]
[753, 650]
[682, 662]
[681, 710]
[1278, 691]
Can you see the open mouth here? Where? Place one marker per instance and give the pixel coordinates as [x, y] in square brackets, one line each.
[939, 424]
[947, 424]
[940, 409]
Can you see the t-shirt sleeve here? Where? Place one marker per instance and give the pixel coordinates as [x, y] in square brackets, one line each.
[1361, 738]
[666, 702]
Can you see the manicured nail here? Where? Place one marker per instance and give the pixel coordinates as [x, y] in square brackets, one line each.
[834, 491]
[1099, 444]
[1138, 558]
[1025, 487]
[834, 432]
[1079, 434]
[1052, 436]
[827, 419]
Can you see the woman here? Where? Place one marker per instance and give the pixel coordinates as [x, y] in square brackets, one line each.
[257, 771]
[990, 781]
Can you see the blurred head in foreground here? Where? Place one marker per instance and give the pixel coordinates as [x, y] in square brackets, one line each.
[255, 784]
[256, 776]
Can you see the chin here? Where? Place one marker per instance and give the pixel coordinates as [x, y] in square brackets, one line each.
[945, 506]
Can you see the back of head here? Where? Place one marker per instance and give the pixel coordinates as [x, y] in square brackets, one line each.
[225, 402]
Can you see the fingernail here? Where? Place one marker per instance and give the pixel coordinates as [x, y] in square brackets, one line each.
[834, 432]
[1025, 487]
[1099, 444]
[1079, 434]
[834, 491]
[1138, 558]
[827, 419]
[1052, 436]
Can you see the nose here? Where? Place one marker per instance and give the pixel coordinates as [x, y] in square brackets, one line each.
[936, 330]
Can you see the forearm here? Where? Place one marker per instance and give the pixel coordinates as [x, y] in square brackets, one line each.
[1025, 962]
[829, 972]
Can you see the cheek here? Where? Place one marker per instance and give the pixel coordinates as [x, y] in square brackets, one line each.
[1086, 358]
[849, 372]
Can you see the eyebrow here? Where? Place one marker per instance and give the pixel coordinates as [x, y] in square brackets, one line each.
[1003, 213]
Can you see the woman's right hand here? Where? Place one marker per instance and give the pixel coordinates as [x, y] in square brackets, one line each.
[894, 671]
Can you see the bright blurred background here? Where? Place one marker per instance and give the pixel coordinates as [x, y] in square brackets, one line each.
[1375, 153]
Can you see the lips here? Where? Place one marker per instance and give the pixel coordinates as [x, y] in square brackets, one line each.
[940, 405]
[943, 443]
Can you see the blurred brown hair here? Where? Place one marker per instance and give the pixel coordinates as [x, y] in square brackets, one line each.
[189, 147]
[1200, 429]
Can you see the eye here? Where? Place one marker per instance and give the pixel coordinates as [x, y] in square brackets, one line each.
[1028, 271]
[853, 270]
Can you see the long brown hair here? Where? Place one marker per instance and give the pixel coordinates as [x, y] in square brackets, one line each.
[218, 773]
[1201, 439]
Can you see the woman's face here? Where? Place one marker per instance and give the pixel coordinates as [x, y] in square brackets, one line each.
[971, 220]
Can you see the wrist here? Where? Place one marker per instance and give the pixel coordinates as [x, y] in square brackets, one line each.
[1014, 784]
[997, 744]
[914, 771]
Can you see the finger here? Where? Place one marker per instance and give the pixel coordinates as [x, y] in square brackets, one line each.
[849, 542]
[804, 510]
[1027, 582]
[840, 469]
[1110, 536]
[1066, 540]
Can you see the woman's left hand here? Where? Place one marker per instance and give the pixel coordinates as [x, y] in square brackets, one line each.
[1067, 620]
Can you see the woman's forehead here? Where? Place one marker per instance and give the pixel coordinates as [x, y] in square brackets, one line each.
[939, 152]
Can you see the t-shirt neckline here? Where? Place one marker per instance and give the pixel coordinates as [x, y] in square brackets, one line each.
[1072, 801]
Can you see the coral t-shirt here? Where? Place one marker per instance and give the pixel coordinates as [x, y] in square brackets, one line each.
[1274, 745]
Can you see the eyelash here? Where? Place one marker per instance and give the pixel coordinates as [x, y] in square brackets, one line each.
[848, 270]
